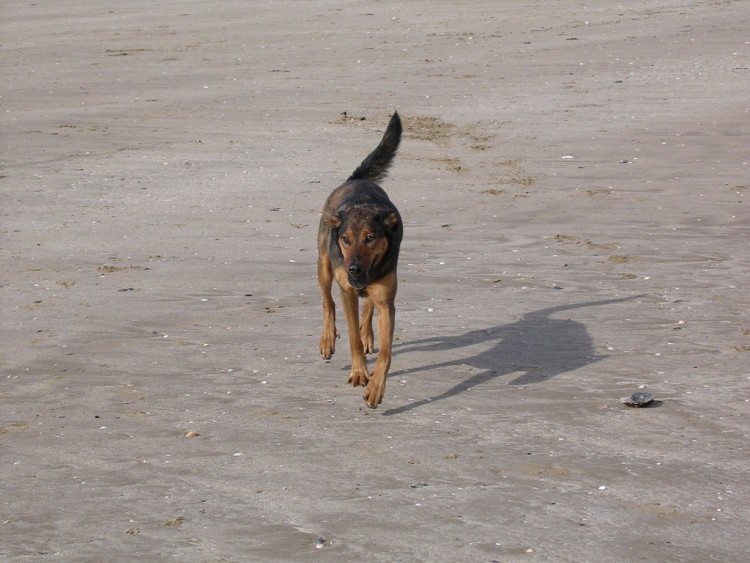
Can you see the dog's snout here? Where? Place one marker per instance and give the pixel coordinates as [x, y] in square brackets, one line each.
[354, 269]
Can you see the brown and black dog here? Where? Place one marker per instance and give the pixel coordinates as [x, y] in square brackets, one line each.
[358, 243]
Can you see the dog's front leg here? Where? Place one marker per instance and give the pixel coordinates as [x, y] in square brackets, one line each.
[358, 375]
[384, 297]
[329, 334]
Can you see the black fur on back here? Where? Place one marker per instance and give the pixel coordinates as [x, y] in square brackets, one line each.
[375, 166]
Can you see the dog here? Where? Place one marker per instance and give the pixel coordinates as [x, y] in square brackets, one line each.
[359, 238]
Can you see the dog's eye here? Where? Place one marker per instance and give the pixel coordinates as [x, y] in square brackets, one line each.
[345, 240]
[369, 238]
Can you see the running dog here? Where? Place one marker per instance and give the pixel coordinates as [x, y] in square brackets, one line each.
[358, 244]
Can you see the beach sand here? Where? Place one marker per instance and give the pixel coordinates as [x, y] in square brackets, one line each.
[573, 180]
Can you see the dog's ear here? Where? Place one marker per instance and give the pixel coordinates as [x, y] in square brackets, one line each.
[336, 220]
[390, 221]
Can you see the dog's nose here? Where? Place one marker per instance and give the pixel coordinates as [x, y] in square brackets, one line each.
[354, 269]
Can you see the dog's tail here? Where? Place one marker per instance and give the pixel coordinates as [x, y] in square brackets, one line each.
[376, 165]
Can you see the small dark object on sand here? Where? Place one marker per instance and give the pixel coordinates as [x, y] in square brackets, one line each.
[638, 399]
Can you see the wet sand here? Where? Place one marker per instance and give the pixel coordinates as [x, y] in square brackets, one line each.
[573, 180]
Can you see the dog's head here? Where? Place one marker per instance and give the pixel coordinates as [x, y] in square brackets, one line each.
[363, 235]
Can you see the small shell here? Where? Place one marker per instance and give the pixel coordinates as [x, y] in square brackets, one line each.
[638, 399]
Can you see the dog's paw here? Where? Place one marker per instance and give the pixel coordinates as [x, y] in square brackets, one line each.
[373, 393]
[358, 378]
[328, 345]
[326, 350]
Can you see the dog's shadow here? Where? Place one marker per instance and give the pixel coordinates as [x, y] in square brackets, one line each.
[537, 345]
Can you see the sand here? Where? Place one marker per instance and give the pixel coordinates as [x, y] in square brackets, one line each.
[573, 180]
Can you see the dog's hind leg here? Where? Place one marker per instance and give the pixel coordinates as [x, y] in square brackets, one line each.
[329, 334]
[358, 375]
[365, 327]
